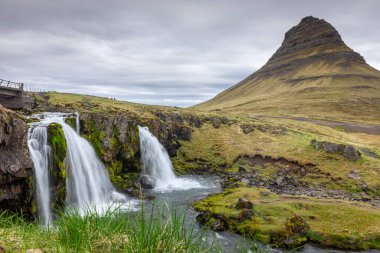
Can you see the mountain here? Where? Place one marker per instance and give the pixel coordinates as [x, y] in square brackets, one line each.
[313, 74]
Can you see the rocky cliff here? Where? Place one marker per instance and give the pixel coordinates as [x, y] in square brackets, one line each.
[15, 164]
[116, 140]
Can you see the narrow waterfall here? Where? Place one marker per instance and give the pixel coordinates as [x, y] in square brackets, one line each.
[40, 154]
[156, 163]
[77, 122]
[155, 159]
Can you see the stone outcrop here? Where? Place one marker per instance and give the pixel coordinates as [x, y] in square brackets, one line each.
[348, 151]
[15, 164]
[244, 204]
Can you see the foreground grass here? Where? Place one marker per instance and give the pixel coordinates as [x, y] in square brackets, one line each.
[154, 230]
[335, 223]
[113, 232]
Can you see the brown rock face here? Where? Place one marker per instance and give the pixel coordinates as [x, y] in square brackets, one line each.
[15, 164]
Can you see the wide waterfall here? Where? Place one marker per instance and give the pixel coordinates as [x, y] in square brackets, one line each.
[87, 183]
[156, 163]
[40, 154]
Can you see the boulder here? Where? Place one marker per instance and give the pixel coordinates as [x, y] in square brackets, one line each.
[244, 204]
[332, 147]
[217, 225]
[147, 182]
[247, 128]
[244, 181]
[202, 218]
[351, 153]
[245, 214]
[242, 169]
[295, 233]
[348, 151]
[279, 180]
[354, 174]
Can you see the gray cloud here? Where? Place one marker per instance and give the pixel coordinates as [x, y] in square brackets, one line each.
[171, 52]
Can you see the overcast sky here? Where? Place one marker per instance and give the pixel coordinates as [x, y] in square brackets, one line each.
[171, 52]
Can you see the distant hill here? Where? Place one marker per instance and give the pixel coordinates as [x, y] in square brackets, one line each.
[313, 74]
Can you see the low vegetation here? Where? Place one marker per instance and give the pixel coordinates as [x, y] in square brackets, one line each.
[221, 147]
[336, 223]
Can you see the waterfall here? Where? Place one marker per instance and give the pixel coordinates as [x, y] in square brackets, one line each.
[156, 163]
[87, 183]
[87, 178]
[77, 123]
[40, 154]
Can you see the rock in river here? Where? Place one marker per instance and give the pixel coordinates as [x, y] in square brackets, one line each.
[147, 182]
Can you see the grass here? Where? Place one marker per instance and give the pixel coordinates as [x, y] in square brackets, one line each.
[336, 223]
[220, 147]
[112, 232]
[79, 102]
[158, 229]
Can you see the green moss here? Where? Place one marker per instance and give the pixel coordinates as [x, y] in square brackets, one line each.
[95, 135]
[58, 146]
[334, 223]
[122, 181]
[30, 204]
[71, 122]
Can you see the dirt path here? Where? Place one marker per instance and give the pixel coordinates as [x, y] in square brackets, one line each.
[373, 129]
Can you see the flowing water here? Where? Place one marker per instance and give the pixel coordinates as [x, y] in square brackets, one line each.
[40, 154]
[77, 123]
[87, 183]
[156, 163]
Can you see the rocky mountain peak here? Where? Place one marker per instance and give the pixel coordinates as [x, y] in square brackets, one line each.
[314, 39]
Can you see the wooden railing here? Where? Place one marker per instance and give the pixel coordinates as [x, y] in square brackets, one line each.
[9, 84]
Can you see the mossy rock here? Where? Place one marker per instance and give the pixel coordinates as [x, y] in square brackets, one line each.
[58, 146]
[71, 122]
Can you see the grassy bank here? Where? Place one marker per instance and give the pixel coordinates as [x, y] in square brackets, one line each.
[113, 232]
[155, 229]
[336, 223]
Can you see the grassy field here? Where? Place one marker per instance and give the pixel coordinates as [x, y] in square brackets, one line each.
[220, 147]
[334, 223]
